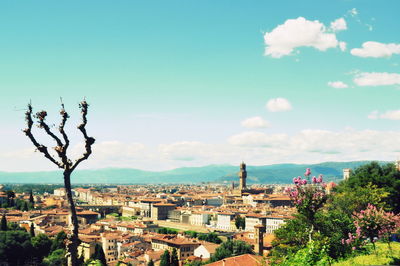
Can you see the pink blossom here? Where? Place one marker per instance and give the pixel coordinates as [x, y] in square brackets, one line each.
[314, 179]
[308, 172]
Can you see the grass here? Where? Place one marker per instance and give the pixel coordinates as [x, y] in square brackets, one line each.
[383, 256]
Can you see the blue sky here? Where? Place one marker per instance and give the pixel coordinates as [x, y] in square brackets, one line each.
[186, 83]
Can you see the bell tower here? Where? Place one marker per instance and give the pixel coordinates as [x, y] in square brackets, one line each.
[242, 176]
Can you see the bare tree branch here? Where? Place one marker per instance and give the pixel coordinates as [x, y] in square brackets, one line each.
[28, 132]
[88, 140]
[64, 118]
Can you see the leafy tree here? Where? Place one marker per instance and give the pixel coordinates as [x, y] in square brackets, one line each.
[63, 162]
[231, 248]
[42, 245]
[3, 225]
[25, 206]
[32, 230]
[15, 247]
[150, 263]
[240, 222]
[382, 176]
[10, 198]
[174, 258]
[59, 241]
[57, 257]
[165, 259]
[31, 200]
[99, 255]
[210, 237]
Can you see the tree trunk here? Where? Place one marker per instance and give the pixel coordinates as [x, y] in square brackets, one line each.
[73, 238]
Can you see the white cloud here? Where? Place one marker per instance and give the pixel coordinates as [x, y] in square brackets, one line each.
[342, 46]
[373, 115]
[257, 139]
[183, 151]
[353, 12]
[295, 33]
[279, 105]
[255, 148]
[338, 84]
[376, 49]
[255, 122]
[338, 25]
[390, 115]
[376, 79]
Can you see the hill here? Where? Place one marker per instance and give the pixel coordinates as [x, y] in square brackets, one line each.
[267, 174]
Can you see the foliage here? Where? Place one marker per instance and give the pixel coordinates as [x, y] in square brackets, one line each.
[42, 245]
[230, 249]
[167, 231]
[174, 258]
[356, 199]
[315, 253]
[383, 176]
[59, 241]
[150, 263]
[210, 237]
[15, 247]
[57, 257]
[190, 233]
[289, 238]
[383, 256]
[240, 222]
[3, 224]
[374, 223]
[32, 230]
[308, 198]
[99, 255]
[165, 259]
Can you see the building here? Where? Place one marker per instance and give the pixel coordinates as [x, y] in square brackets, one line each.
[205, 250]
[346, 173]
[225, 221]
[242, 177]
[159, 211]
[245, 260]
[259, 230]
[60, 192]
[254, 219]
[200, 218]
[185, 247]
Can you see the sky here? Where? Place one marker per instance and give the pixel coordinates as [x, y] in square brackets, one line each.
[191, 83]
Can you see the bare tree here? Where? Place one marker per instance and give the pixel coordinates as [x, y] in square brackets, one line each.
[63, 162]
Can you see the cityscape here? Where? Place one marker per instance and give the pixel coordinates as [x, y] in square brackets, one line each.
[189, 133]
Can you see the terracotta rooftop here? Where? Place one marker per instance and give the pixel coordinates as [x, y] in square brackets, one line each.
[241, 260]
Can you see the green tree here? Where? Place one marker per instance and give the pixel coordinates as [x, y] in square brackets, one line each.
[42, 245]
[150, 263]
[3, 225]
[31, 200]
[231, 248]
[25, 206]
[383, 176]
[10, 198]
[174, 258]
[165, 259]
[57, 257]
[99, 255]
[59, 241]
[32, 230]
[240, 222]
[15, 247]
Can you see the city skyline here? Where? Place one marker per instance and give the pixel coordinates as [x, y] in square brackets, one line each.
[174, 85]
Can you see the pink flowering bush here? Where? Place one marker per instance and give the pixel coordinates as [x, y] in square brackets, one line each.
[308, 197]
[374, 223]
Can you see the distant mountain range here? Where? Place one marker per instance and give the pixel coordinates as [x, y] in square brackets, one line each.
[268, 174]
